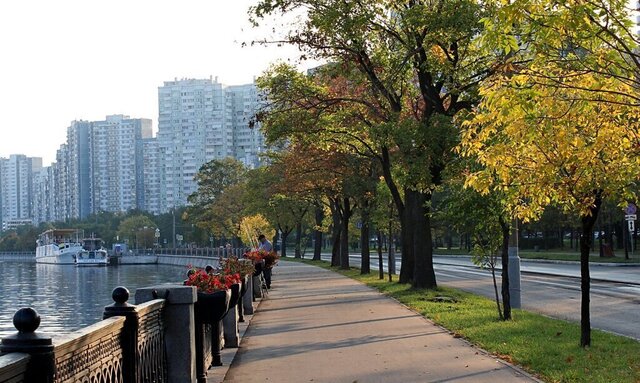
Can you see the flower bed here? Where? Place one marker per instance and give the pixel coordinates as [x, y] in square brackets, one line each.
[270, 258]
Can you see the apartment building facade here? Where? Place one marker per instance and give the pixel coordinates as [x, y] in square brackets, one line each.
[117, 165]
[248, 141]
[16, 188]
[194, 127]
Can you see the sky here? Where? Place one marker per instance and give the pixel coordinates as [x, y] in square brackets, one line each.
[68, 60]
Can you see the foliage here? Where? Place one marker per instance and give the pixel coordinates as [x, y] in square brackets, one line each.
[588, 38]
[216, 206]
[484, 217]
[253, 226]
[271, 195]
[556, 132]
[205, 282]
[234, 265]
[542, 145]
[398, 74]
[130, 228]
[270, 258]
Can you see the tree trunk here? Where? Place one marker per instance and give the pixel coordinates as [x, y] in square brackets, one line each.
[504, 252]
[406, 235]
[586, 238]
[335, 249]
[391, 257]
[285, 234]
[495, 288]
[344, 235]
[335, 233]
[625, 239]
[380, 265]
[317, 233]
[406, 238]
[365, 266]
[298, 252]
[424, 275]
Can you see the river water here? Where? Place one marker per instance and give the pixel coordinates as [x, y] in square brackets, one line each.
[69, 297]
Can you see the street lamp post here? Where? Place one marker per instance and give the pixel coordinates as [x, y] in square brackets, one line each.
[173, 212]
[514, 267]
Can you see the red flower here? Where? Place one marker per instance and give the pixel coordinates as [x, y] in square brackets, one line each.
[206, 283]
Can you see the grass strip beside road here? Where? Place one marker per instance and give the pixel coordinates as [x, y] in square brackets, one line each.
[547, 348]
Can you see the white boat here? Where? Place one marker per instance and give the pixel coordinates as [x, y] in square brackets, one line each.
[58, 246]
[92, 254]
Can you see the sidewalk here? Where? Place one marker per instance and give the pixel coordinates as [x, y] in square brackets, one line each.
[318, 326]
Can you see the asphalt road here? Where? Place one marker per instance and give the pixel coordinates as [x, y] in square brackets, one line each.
[554, 289]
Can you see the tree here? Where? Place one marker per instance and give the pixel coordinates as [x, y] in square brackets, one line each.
[590, 38]
[540, 144]
[217, 204]
[213, 178]
[384, 218]
[251, 227]
[487, 221]
[130, 229]
[406, 69]
[267, 194]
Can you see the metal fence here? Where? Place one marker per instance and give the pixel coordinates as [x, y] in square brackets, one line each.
[126, 347]
[157, 341]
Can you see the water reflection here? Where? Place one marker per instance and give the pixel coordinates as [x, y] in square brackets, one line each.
[68, 297]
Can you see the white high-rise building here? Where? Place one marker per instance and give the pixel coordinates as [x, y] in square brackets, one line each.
[248, 142]
[116, 163]
[16, 188]
[43, 195]
[62, 204]
[152, 174]
[194, 127]
[78, 169]
[99, 168]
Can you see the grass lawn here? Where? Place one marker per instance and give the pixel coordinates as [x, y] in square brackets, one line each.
[547, 348]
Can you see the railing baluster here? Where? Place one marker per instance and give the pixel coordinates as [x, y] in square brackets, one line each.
[41, 366]
[120, 296]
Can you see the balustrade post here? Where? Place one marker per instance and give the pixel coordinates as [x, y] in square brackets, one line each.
[179, 328]
[247, 298]
[120, 307]
[230, 320]
[41, 366]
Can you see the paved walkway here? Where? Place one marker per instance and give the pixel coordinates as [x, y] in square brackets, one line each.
[318, 326]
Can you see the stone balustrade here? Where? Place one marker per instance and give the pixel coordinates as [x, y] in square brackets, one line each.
[151, 341]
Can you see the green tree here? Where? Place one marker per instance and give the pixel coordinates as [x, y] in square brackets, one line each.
[213, 178]
[486, 219]
[134, 229]
[268, 193]
[404, 69]
[216, 205]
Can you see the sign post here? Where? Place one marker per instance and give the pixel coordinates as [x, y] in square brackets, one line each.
[630, 217]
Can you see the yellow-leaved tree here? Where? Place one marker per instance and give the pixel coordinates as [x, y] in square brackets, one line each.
[253, 226]
[569, 145]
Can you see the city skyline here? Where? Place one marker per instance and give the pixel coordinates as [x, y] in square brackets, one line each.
[116, 165]
[71, 60]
